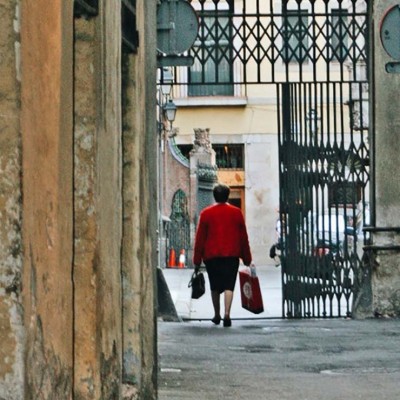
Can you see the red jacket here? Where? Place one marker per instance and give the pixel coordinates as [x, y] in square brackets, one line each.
[221, 233]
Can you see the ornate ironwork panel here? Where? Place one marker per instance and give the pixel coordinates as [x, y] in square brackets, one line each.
[266, 41]
[206, 178]
[179, 227]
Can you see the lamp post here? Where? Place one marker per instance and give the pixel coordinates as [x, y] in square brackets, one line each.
[166, 117]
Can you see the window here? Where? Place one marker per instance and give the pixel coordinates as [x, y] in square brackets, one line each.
[295, 37]
[185, 150]
[236, 198]
[229, 156]
[213, 65]
[339, 35]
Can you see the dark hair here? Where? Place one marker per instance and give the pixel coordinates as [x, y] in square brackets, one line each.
[221, 193]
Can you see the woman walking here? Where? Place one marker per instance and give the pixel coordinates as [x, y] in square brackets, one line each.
[221, 240]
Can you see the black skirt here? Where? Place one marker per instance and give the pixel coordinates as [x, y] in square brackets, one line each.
[222, 273]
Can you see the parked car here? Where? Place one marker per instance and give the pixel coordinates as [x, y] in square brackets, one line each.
[330, 234]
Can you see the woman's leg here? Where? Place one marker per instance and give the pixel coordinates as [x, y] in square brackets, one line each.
[228, 297]
[215, 293]
[231, 270]
[215, 296]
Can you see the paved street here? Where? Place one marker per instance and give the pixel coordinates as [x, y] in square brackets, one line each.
[273, 359]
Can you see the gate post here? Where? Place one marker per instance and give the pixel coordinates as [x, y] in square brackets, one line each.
[385, 226]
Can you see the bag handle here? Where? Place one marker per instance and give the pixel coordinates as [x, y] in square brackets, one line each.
[253, 271]
[195, 273]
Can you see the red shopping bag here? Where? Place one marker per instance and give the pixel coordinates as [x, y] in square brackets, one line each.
[250, 291]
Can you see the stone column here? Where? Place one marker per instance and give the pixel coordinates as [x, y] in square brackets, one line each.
[202, 154]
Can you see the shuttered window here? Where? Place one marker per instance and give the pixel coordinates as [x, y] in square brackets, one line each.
[212, 54]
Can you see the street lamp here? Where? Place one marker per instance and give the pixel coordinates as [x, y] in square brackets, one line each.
[167, 81]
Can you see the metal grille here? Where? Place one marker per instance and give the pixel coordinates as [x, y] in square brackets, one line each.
[268, 41]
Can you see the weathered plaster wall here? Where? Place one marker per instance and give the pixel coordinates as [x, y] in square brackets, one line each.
[46, 123]
[11, 318]
[79, 246]
[386, 272]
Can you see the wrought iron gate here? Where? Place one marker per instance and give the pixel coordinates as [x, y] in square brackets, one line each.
[324, 158]
[314, 52]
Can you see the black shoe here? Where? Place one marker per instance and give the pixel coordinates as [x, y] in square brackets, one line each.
[216, 320]
[227, 322]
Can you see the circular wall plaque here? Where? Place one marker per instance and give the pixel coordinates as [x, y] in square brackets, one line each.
[177, 27]
[390, 32]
